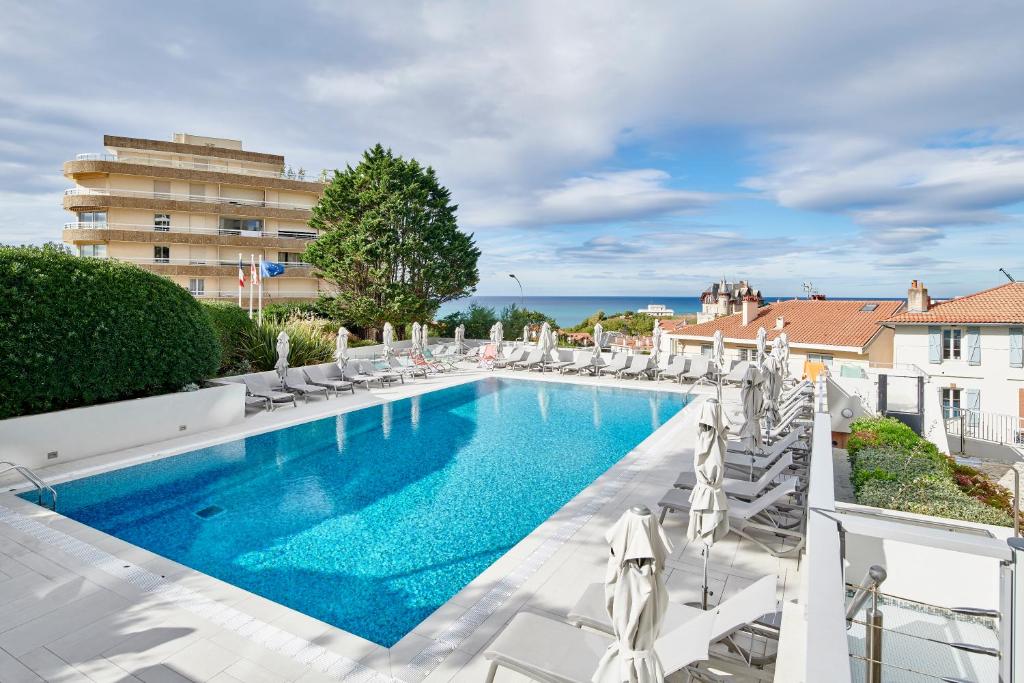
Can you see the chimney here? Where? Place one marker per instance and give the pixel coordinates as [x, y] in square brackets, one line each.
[918, 300]
[749, 309]
[780, 322]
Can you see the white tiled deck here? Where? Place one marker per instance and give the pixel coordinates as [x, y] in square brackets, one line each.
[83, 606]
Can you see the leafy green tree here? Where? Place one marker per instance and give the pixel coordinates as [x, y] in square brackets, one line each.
[514, 318]
[477, 319]
[390, 242]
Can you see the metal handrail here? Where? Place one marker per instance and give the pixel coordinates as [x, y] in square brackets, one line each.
[174, 196]
[193, 165]
[32, 479]
[296, 234]
[874, 578]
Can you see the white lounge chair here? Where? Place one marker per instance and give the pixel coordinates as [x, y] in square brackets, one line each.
[316, 375]
[699, 368]
[564, 359]
[555, 652]
[514, 356]
[407, 369]
[743, 488]
[256, 385]
[768, 513]
[535, 357]
[582, 361]
[385, 373]
[674, 369]
[639, 366]
[295, 382]
[611, 365]
[737, 373]
[351, 373]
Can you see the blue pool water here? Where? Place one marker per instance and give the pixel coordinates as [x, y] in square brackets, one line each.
[372, 520]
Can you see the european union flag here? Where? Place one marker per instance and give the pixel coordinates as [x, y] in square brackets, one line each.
[271, 269]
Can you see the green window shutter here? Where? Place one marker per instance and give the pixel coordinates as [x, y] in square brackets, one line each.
[934, 344]
[1017, 347]
[973, 343]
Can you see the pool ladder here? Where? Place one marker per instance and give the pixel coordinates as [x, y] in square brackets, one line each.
[33, 479]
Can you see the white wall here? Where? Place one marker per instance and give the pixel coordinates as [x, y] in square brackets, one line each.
[93, 430]
[994, 378]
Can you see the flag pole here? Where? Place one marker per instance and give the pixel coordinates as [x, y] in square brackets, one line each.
[251, 265]
[241, 275]
[260, 276]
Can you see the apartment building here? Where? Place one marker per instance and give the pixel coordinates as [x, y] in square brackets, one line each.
[187, 209]
[972, 347]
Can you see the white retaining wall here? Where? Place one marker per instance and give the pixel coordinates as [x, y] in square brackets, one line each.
[83, 432]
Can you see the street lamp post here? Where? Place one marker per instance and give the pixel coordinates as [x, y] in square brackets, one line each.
[522, 297]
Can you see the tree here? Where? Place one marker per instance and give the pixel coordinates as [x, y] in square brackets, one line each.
[477, 319]
[514, 318]
[390, 242]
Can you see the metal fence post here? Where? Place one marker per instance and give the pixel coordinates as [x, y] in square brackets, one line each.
[873, 645]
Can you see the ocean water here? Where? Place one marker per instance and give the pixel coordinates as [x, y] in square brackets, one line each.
[572, 310]
[372, 520]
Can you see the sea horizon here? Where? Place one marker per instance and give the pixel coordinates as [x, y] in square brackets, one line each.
[569, 311]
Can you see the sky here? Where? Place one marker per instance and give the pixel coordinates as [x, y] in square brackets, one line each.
[593, 148]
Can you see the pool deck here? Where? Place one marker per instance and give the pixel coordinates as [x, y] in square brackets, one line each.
[81, 605]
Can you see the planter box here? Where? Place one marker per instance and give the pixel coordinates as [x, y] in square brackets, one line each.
[66, 435]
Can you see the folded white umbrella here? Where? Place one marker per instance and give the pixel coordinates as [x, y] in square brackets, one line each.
[783, 344]
[709, 506]
[284, 347]
[655, 341]
[388, 338]
[753, 406]
[762, 342]
[499, 335]
[718, 351]
[546, 341]
[526, 333]
[416, 338]
[772, 389]
[341, 348]
[598, 337]
[424, 336]
[460, 337]
[636, 598]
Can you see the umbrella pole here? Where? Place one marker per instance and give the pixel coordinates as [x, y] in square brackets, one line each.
[704, 587]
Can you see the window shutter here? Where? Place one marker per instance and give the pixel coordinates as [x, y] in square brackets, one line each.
[973, 346]
[934, 344]
[972, 402]
[1017, 347]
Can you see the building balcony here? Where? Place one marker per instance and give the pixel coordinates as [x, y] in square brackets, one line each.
[89, 199]
[209, 267]
[129, 232]
[232, 295]
[102, 164]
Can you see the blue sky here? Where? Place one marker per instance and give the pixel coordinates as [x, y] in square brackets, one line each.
[594, 147]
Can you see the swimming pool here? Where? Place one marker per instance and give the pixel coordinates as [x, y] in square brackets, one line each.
[371, 520]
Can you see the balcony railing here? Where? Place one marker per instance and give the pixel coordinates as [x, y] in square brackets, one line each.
[234, 232]
[148, 194]
[144, 160]
[196, 262]
[233, 294]
[996, 428]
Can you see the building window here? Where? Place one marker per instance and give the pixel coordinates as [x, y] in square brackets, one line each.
[252, 225]
[951, 344]
[951, 402]
[92, 250]
[747, 354]
[822, 358]
[161, 254]
[289, 257]
[93, 217]
[197, 190]
[162, 189]
[868, 308]
[161, 222]
[235, 226]
[197, 286]
[705, 350]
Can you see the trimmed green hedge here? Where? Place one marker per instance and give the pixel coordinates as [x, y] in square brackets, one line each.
[233, 326]
[894, 468]
[77, 331]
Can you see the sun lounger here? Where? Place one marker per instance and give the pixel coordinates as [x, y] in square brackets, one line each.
[295, 382]
[514, 356]
[639, 366]
[385, 373]
[535, 357]
[743, 488]
[735, 614]
[583, 362]
[768, 514]
[352, 374]
[257, 402]
[545, 649]
[674, 369]
[407, 369]
[316, 375]
[258, 386]
[738, 372]
[611, 365]
[564, 359]
[790, 440]
[698, 369]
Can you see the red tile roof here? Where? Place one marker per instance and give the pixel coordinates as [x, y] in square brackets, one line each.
[821, 323]
[1002, 304]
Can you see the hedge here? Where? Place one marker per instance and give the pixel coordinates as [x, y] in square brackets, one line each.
[233, 326]
[78, 331]
[894, 468]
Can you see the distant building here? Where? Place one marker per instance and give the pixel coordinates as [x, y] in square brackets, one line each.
[631, 344]
[832, 333]
[187, 208]
[726, 298]
[657, 310]
[972, 347]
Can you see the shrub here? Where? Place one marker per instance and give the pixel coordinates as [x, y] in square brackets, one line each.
[892, 467]
[232, 324]
[310, 344]
[77, 331]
